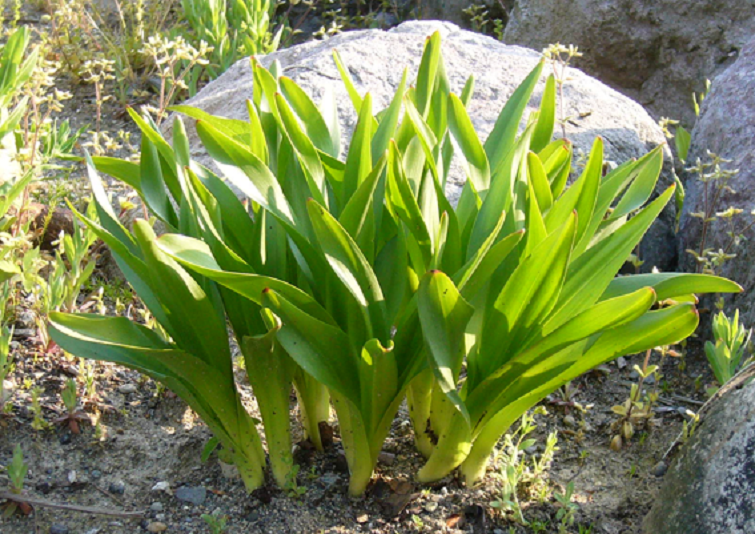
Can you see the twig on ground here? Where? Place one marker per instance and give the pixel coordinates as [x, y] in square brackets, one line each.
[21, 498]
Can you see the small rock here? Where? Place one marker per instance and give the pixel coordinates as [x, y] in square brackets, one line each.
[621, 362]
[229, 471]
[660, 469]
[192, 494]
[161, 486]
[329, 480]
[431, 506]
[59, 528]
[157, 526]
[24, 333]
[362, 518]
[386, 458]
[570, 421]
[157, 507]
[117, 488]
[96, 473]
[71, 477]
[26, 319]
[126, 389]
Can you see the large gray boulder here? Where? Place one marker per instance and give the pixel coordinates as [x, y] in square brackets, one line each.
[727, 128]
[710, 487]
[376, 60]
[656, 51]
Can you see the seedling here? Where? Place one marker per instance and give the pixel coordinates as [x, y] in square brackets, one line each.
[727, 350]
[39, 423]
[516, 474]
[215, 522]
[17, 470]
[73, 414]
[566, 509]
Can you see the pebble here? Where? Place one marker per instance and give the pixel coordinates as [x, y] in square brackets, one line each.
[329, 480]
[127, 388]
[161, 486]
[191, 494]
[157, 526]
[96, 473]
[58, 528]
[386, 458]
[660, 469]
[569, 420]
[362, 518]
[156, 507]
[431, 506]
[117, 488]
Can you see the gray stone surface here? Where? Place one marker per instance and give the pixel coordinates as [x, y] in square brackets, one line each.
[656, 51]
[727, 127]
[710, 487]
[376, 59]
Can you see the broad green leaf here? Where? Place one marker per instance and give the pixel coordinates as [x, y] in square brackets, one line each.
[428, 68]
[257, 143]
[444, 315]
[152, 184]
[556, 158]
[386, 130]
[642, 187]
[359, 159]
[463, 131]
[196, 325]
[314, 123]
[472, 283]
[501, 140]
[196, 255]
[127, 172]
[527, 298]
[378, 380]
[246, 171]
[670, 285]
[164, 150]
[359, 207]
[539, 180]
[683, 139]
[322, 350]
[546, 118]
[351, 267]
[590, 273]
[238, 130]
[401, 200]
[306, 151]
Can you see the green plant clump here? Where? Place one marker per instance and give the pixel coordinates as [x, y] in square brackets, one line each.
[726, 352]
[357, 278]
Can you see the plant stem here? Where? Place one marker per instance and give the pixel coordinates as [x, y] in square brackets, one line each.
[314, 403]
[356, 446]
[452, 449]
[268, 368]
[419, 399]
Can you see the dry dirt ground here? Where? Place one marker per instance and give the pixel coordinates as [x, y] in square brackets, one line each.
[152, 437]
